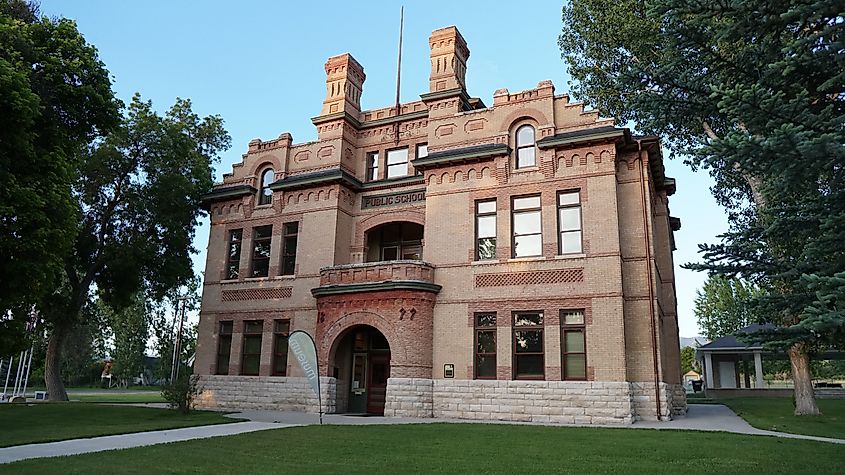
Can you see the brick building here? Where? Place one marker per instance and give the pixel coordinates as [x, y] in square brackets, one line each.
[510, 262]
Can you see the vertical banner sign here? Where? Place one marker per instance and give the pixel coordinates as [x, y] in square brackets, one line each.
[305, 352]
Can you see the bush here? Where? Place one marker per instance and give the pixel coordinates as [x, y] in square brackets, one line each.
[180, 394]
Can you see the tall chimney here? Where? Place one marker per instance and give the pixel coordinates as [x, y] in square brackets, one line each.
[344, 83]
[449, 54]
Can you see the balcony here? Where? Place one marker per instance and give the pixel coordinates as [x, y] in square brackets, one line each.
[375, 276]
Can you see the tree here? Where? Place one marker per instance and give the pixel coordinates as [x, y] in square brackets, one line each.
[55, 99]
[752, 92]
[687, 360]
[138, 194]
[723, 306]
[130, 327]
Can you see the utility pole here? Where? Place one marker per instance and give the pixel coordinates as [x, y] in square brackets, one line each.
[181, 303]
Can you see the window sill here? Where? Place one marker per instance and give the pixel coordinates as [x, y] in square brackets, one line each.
[268, 205]
[485, 262]
[254, 279]
[527, 259]
[579, 255]
[285, 277]
[534, 168]
[229, 281]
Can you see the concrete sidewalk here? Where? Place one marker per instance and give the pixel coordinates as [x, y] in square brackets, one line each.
[125, 441]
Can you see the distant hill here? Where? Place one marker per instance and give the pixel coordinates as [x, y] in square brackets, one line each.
[692, 341]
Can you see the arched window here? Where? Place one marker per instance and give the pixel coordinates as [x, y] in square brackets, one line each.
[265, 196]
[525, 152]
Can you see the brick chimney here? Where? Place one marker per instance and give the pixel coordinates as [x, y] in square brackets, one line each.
[449, 54]
[344, 82]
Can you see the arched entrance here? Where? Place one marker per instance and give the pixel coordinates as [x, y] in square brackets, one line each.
[362, 366]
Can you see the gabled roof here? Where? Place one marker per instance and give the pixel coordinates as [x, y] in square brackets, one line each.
[731, 342]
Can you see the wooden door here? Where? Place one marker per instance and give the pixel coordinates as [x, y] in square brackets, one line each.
[377, 382]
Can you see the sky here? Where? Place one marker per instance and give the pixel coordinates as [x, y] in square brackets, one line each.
[259, 65]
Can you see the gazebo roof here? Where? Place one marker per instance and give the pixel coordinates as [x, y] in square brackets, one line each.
[731, 343]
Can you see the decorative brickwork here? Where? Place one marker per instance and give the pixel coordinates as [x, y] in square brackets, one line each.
[241, 295]
[562, 276]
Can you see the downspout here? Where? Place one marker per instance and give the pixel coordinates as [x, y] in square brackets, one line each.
[647, 242]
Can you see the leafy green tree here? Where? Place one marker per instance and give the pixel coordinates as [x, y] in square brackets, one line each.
[723, 306]
[751, 91]
[130, 326]
[687, 360]
[138, 195]
[55, 100]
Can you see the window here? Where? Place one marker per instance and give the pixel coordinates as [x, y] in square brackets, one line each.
[265, 196]
[422, 152]
[569, 222]
[233, 260]
[528, 345]
[251, 356]
[527, 230]
[281, 329]
[401, 241]
[485, 346]
[525, 151]
[224, 347]
[573, 345]
[372, 166]
[261, 237]
[485, 230]
[290, 232]
[397, 162]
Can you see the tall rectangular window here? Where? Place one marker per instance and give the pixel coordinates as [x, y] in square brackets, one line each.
[485, 230]
[281, 329]
[485, 346]
[372, 166]
[528, 355]
[422, 152]
[261, 237]
[527, 228]
[573, 345]
[251, 354]
[224, 347]
[569, 222]
[397, 163]
[233, 258]
[290, 234]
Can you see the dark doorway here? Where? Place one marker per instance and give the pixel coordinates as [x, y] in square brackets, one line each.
[394, 242]
[362, 362]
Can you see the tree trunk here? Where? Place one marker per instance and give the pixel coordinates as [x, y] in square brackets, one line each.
[805, 398]
[53, 365]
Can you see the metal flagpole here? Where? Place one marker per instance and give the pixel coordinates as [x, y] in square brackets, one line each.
[399, 68]
[28, 367]
[8, 374]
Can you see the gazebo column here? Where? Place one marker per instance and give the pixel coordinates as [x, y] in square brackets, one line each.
[758, 370]
[708, 370]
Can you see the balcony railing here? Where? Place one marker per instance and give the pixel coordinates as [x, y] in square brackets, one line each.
[372, 276]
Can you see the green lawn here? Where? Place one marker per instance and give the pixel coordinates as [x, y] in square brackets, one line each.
[461, 448]
[119, 397]
[46, 422]
[777, 414]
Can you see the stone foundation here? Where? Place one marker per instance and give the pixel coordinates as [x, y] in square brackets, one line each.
[265, 392]
[562, 402]
[565, 402]
[673, 401]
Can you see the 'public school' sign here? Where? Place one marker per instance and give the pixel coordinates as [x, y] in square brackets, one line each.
[392, 199]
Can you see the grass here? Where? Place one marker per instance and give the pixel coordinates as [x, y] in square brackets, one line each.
[460, 448]
[119, 398]
[777, 414]
[47, 422]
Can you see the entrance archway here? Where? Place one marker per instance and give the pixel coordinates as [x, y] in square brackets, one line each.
[362, 366]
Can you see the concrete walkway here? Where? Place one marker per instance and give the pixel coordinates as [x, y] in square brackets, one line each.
[703, 417]
[125, 441]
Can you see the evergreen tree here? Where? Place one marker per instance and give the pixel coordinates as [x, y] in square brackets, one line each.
[751, 91]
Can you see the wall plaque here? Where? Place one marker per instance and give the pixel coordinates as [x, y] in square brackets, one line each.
[392, 199]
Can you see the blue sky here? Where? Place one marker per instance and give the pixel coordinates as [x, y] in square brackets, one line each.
[260, 66]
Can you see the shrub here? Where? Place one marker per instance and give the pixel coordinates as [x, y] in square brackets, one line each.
[181, 393]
